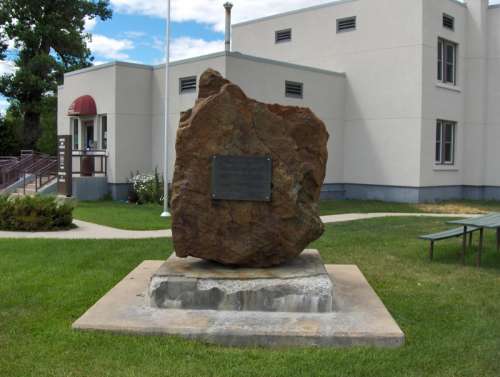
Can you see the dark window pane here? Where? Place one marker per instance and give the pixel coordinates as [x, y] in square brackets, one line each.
[449, 73]
[450, 53]
[438, 152]
[448, 152]
[449, 133]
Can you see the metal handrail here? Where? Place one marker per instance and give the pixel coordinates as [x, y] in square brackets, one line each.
[44, 166]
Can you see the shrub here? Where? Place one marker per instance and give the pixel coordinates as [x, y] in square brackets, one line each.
[146, 188]
[34, 214]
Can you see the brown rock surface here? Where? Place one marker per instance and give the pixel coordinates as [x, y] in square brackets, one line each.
[252, 234]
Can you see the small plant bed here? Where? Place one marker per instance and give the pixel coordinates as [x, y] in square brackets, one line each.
[35, 214]
[122, 215]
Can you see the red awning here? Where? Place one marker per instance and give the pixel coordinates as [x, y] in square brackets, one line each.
[84, 105]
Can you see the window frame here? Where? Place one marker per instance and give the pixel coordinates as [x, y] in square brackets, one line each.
[339, 20]
[104, 131]
[278, 41]
[189, 90]
[75, 133]
[442, 62]
[441, 142]
[293, 95]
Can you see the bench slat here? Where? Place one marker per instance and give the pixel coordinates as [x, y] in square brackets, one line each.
[451, 233]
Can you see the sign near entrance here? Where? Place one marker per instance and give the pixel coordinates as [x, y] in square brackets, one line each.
[65, 173]
[242, 178]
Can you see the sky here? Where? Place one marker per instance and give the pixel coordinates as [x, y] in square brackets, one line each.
[136, 33]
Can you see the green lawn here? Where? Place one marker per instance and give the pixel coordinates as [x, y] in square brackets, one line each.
[449, 313]
[122, 215]
[332, 207]
[147, 217]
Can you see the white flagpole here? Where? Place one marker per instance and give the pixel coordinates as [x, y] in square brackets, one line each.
[166, 148]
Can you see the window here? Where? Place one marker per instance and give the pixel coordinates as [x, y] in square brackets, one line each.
[448, 21]
[346, 24]
[104, 132]
[187, 84]
[447, 61]
[283, 36]
[75, 134]
[445, 142]
[294, 89]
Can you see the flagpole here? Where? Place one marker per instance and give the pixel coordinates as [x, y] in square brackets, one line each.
[166, 147]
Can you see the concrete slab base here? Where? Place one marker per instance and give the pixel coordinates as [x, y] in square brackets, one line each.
[360, 318]
[300, 285]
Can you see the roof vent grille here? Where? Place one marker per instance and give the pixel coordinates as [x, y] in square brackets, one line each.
[294, 89]
[448, 21]
[187, 84]
[283, 35]
[346, 24]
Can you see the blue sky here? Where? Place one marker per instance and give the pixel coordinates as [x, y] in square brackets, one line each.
[136, 31]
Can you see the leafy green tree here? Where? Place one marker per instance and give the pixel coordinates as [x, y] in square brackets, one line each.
[9, 135]
[50, 39]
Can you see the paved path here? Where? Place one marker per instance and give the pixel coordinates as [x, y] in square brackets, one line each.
[87, 230]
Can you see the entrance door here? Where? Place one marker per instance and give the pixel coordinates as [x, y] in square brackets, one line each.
[89, 134]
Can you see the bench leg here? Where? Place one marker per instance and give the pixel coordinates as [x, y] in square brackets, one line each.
[470, 238]
[480, 251]
[498, 239]
[464, 245]
[431, 251]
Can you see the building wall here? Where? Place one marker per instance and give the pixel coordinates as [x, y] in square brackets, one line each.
[323, 93]
[441, 101]
[382, 60]
[100, 83]
[492, 167]
[178, 102]
[133, 122]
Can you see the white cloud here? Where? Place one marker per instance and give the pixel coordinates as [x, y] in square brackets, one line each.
[6, 67]
[186, 47]
[110, 48]
[3, 105]
[90, 24]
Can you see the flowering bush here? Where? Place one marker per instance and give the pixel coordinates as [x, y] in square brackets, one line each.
[146, 188]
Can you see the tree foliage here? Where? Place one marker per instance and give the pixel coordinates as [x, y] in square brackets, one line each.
[10, 141]
[50, 39]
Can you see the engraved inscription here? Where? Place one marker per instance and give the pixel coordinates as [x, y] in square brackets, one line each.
[244, 178]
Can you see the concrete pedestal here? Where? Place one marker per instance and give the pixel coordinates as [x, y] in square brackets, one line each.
[302, 285]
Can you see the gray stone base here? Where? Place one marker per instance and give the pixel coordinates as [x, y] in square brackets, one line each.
[403, 194]
[90, 188]
[300, 285]
[359, 319]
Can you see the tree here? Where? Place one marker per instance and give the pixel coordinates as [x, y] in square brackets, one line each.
[9, 136]
[50, 38]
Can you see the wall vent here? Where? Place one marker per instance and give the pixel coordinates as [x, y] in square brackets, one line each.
[294, 89]
[448, 21]
[283, 36]
[346, 24]
[187, 84]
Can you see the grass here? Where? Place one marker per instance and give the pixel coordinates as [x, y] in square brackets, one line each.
[449, 313]
[331, 207]
[122, 215]
[147, 217]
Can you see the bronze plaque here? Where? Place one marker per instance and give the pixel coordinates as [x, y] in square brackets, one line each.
[243, 178]
[65, 165]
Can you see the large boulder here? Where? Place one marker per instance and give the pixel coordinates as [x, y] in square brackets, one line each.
[224, 121]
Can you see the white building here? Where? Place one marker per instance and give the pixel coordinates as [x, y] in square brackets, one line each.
[409, 90]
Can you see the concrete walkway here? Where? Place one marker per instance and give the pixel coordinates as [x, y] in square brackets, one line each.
[85, 230]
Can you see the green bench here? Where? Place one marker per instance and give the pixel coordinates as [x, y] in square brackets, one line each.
[447, 234]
